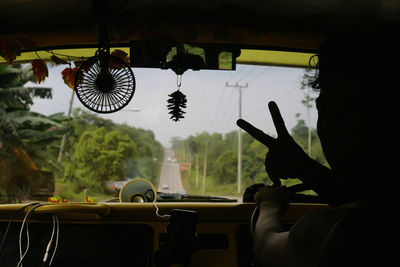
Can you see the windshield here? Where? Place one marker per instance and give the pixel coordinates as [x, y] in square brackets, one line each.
[53, 149]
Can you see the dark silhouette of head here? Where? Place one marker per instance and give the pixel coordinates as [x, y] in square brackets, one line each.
[357, 76]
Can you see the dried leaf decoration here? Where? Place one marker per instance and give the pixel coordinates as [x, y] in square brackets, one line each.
[9, 49]
[58, 61]
[57, 199]
[68, 75]
[114, 64]
[85, 64]
[40, 70]
[89, 199]
[121, 55]
[79, 63]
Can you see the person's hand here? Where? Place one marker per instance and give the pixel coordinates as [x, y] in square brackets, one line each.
[274, 198]
[285, 158]
[248, 195]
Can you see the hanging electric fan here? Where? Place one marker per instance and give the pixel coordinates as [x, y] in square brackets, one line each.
[104, 83]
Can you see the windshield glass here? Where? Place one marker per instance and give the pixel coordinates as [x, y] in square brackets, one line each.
[53, 149]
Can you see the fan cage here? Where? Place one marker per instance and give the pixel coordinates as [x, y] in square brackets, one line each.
[104, 101]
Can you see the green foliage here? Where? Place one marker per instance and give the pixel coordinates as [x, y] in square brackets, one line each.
[14, 103]
[99, 150]
[253, 162]
[8, 131]
[212, 188]
[12, 93]
[19, 126]
[149, 150]
[300, 134]
[25, 137]
[99, 155]
[224, 168]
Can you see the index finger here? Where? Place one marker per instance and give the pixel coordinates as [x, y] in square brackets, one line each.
[259, 135]
[277, 119]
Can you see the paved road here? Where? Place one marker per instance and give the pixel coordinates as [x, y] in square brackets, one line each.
[170, 175]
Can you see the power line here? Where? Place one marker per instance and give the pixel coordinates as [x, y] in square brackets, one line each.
[260, 75]
[287, 94]
[236, 74]
[279, 98]
[228, 120]
[222, 96]
[218, 108]
[246, 74]
[226, 108]
[239, 87]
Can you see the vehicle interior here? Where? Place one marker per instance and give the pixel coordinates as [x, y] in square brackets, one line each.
[146, 222]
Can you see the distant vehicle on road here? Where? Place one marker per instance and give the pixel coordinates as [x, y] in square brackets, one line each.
[165, 186]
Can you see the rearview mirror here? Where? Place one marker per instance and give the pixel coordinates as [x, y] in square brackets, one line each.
[181, 56]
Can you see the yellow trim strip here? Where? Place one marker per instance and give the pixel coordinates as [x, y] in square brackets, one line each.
[65, 54]
[274, 58]
[145, 212]
[248, 56]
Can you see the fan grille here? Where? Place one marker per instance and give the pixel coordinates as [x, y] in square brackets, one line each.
[105, 89]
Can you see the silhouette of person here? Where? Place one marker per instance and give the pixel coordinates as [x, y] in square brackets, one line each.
[356, 126]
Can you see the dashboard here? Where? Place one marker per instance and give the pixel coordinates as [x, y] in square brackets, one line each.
[132, 234]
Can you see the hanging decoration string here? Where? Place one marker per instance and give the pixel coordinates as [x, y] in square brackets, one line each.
[179, 81]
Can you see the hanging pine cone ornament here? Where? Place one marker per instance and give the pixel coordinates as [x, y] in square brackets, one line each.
[176, 103]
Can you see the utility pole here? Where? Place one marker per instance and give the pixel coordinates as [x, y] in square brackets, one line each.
[197, 170]
[309, 130]
[190, 163]
[64, 138]
[203, 191]
[307, 102]
[239, 177]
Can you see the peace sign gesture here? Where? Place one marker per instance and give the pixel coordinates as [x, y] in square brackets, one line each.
[285, 157]
[259, 135]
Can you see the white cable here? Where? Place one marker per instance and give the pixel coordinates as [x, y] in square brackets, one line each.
[56, 245]
[253, 220]
[50, 241]
[9, 224]
[166, 216]
[22, 256]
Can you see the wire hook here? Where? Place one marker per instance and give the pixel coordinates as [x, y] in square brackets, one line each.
[179, 81]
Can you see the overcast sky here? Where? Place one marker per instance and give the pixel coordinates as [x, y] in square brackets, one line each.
[211, 106]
